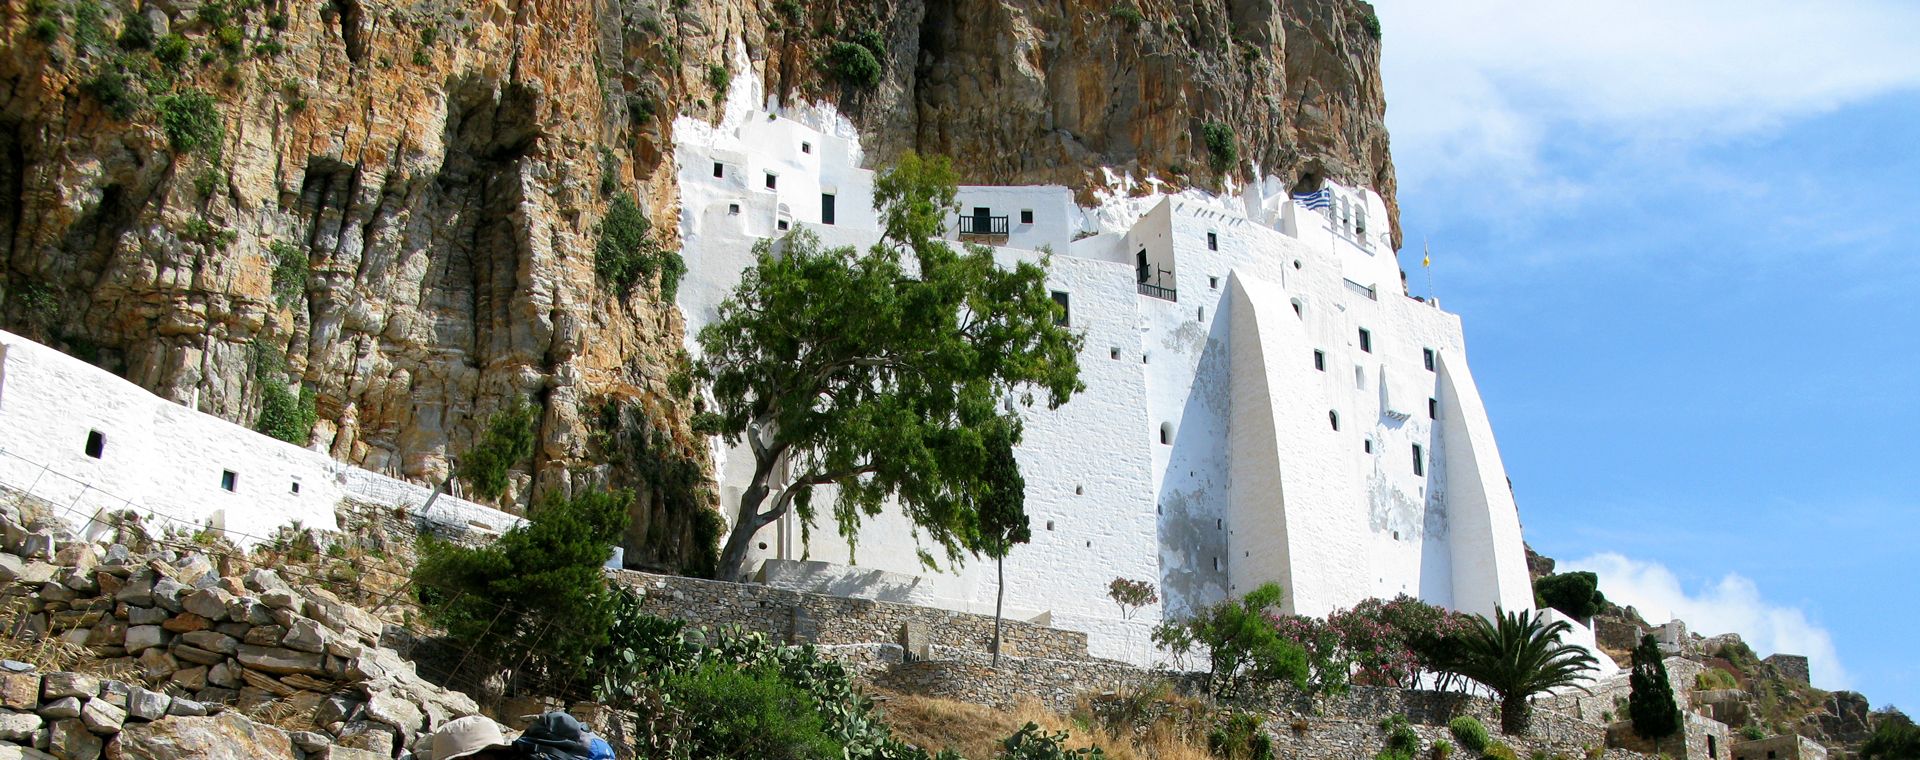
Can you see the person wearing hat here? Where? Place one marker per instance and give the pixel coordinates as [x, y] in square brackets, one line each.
[475, 737]
[554, 736]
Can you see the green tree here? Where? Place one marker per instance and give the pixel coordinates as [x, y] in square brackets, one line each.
[878, 375]
[1577, 594]
[749, 713]
[1894, 738]
[1518, 655]
[537, 593]
[1650, 703]
[1243, 646]
[507, 441]
[1001, 518]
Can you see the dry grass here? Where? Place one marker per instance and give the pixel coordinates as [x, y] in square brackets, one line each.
[976, 732]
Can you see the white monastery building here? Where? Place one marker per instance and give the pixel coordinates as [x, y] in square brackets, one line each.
[1263, 402]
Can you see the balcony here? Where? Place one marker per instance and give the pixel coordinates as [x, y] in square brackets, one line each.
[1165, 294]
[980, 228]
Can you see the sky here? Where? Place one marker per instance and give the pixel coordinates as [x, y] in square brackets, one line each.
[1682, 239]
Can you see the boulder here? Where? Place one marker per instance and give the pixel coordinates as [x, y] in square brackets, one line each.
[211, 641]
[191, 679]
[140, 638]
[281, 661]
[264, 580]
[70, 739]
[186, 622]
[23, 753]
[226, 736]
[101, 717]
[10, 568]
[209, 603]
[19, 691]
[306, 635]
[57, 685]
[18, 727]
[60, 709]
[146, 704]
[146, 615]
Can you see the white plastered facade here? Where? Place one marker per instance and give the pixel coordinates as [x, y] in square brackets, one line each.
[1203, 454]
[91, 443]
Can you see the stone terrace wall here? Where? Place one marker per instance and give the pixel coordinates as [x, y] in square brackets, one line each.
[798, 617]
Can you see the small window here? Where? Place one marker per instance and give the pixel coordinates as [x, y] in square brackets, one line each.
[294, 487]
[1366, 340]
[773, 180]
[1213, 242]
[1366, 444]
[826, 208]
[1299, 309]
[1113, 352]
[1433, 408]
[1060, 297]
[1219, 524]
[806, 147]
[1419, 460]
[1213, 283]
[1026, 216]
[1334, 418]
[1166, 433]
[1427, 354]
[1049, 525]
[1216, 564]
[733, 209]
[719, 169]
[1320, 360]
[783, 224]
[1201, 314]
[229, 480]
[96, 444]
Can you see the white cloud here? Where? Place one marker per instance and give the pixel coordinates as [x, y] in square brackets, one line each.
[1733, 605]
[1475, 88]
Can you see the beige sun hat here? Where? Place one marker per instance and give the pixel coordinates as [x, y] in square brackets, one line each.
[467, 736]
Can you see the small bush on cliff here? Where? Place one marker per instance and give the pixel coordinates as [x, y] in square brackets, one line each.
[853, 64]
[191, 118]
[172, 50]
[1402, 742]
[628, 253]
[536, 595]
[1577, 594]
[1239, 737]
[507, 441]
[1470, 732]
[1125, 11]
[285, 415]
[1243, 647]
[1371, 23]
[1222, 150]
[719, 77]
[289, 271]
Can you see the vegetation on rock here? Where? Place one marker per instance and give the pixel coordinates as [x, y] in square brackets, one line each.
[191, 119]
[628, 252]
[1223, 151]
[853, 64]
[1242, 646]
[1470, 732]
[1402, 742]
[849, 372]
[507, 441]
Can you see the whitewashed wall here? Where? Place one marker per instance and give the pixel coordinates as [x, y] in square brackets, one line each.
[1201, 455]
[166, 462]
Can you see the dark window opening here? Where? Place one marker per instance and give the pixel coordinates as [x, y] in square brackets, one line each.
[1140, 269]
[1049, 525]
[229, 480]
[1320, 360]
[733, 209]
[293, 487]
[1213, 242]
[1113, 353]
[1213, 282]
[96, 443]
[1334, 417]
[1433, 408]
[1063, 317]
[773, 180]
[1026, 216]
[1366, 340]
[1166, 433]
[1367, 445]
[1419, 461]
[826, 208]
[806, 147]
[719, 169]
[1427, 354]
[783, 224]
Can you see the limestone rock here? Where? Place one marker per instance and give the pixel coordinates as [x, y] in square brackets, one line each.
[71, 739]
[57, 685]
[64, 707]
[145, 704]
[19, 691]
[102, 717]
[281, 661]
[227, 736]
[18, 727]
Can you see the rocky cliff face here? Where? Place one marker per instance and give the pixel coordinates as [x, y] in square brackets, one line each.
[395, 204]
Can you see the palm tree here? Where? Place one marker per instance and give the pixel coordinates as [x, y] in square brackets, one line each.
[1518, 655]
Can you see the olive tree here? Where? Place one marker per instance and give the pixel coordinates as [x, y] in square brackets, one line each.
[883, 374]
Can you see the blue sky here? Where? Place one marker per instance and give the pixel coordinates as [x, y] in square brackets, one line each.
[1683, 241]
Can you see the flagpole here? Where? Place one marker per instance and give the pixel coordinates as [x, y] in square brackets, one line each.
[1426, 262]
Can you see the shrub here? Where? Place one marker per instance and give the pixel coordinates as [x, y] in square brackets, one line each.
[871, 40]
[1329, 660]
[1577, 594]
[1499, 751]
[536, 594]
[791, 11]
[1715, 678]
[285, 415]
[1894, 737]
[1243, 647]
[1752, 732]
[289, 271]
[1125, 11]
[117, 92]
[136, 33]
[1442, 749]
[627, 251]
[1131, 595]
[1402, 742]
[1033, 743]
[206, 233]
[746, 713]
[1371, 23]
[421, 57]
[853, 64]
[718, 77]
[172, 50]
[1222, 151]
[1239, 738]
[507, 441]
[1470, 732]
[191, 118]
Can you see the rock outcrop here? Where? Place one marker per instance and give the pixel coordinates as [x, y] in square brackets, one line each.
[394, 205]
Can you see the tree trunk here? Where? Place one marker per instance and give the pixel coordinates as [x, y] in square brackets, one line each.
[733, 559]
[1515, 714]
[999, 595]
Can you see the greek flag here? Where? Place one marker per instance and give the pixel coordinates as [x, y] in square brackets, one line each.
[1318, 199]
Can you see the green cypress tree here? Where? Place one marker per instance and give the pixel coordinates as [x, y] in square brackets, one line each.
[1651, 705]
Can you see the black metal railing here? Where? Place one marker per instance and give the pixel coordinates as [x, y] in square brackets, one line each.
[1150, 289]
[983, 225]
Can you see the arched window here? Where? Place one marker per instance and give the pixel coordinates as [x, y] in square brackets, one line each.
[1334, 418]
[1166, 433]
